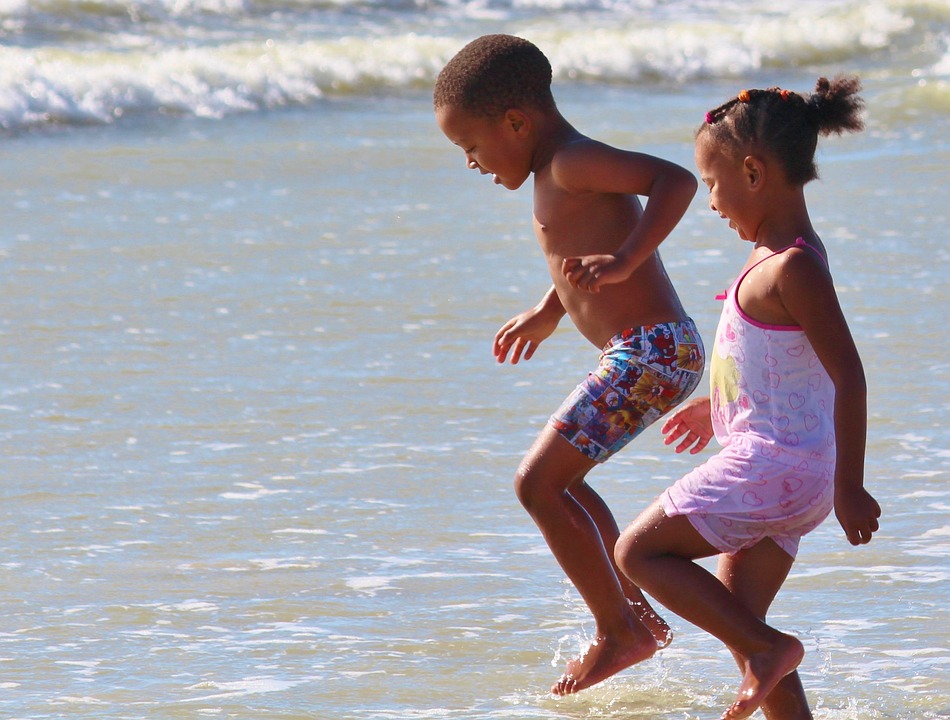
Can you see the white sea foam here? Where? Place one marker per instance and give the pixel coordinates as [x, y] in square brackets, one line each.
[213, 58]
[254, 492]
[238, 688]
[301, 531]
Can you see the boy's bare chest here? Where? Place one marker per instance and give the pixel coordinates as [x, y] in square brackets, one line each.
[567, 224]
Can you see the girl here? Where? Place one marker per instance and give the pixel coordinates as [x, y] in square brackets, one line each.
[788, 401]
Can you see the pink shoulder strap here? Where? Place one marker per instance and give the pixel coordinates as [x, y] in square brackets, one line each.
[799, 242]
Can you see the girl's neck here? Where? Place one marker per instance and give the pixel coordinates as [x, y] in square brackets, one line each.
[785, 221]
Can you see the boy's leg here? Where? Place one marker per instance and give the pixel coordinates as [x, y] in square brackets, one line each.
[549, 472]
[609, 533]
[754, 577]
[657, 553]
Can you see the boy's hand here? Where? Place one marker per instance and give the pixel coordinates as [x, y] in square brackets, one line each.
[591, 272]
[522, 334]
[857, 512]
[692, 420]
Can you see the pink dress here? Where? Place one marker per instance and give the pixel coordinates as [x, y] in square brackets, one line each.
[772, 407]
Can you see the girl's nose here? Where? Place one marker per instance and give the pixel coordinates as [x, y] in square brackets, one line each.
[472, 165]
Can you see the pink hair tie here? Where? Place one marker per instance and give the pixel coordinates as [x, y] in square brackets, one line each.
[709, 118]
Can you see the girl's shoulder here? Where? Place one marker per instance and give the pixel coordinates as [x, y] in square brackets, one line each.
[803, 261]
[801, 258]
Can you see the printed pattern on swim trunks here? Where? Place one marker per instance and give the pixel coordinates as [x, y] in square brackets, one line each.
[643, 373]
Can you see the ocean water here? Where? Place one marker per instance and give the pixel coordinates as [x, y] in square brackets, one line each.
[256, 455]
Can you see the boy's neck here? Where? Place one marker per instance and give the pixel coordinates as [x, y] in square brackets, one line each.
[552, 133]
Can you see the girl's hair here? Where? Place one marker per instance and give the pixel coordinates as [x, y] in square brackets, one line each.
[787, 124]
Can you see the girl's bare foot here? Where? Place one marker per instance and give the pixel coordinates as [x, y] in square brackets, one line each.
[763, 671]
[654, 623]
[607, 655]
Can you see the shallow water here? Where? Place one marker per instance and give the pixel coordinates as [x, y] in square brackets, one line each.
[259, 458]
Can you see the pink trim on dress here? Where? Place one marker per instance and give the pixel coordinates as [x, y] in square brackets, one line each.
[799, 242]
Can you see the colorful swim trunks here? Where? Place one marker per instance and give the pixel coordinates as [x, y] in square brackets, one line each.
[643, 373]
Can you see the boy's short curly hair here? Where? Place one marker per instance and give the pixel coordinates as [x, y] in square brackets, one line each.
[494, 73]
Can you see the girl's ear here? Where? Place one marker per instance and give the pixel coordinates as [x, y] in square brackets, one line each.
[753, 170]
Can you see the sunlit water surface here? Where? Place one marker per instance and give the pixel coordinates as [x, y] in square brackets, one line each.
[257, 457]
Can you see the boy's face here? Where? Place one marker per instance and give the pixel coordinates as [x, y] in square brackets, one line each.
[496, 146]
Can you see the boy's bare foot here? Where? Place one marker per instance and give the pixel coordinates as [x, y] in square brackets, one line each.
[762, 673]
[606, 656]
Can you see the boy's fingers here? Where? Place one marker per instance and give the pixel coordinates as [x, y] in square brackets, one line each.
[516, 351]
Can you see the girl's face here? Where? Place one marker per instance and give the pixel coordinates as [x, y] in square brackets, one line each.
[728, 183]
[492, 146]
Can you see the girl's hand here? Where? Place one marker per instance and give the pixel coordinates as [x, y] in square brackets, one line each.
[523, 333]
[591, 272]
[858, 512]
[692, 422]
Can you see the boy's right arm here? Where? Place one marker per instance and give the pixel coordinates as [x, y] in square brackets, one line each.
[598, 168]
[525, 331]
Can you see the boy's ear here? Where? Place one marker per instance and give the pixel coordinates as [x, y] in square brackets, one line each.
[753, 170]
[518, 120]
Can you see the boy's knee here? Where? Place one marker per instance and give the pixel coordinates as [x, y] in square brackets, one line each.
[536, 488]
[526, 487]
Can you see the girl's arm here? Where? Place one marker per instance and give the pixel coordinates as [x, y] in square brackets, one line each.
[524, 332]
[593, 167]
[806, 290]
[692, 422]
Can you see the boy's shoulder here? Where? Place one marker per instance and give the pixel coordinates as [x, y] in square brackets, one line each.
[580, 147]
[573, 160]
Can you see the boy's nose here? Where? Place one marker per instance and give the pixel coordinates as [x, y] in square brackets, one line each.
[473, 165]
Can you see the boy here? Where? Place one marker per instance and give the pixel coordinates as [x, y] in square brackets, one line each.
[494, 100]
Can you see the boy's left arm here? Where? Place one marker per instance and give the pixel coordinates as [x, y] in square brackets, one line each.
[813, 303]
[523, 333]
[668, 187]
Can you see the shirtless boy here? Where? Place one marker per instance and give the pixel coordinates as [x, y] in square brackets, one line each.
[494, 100]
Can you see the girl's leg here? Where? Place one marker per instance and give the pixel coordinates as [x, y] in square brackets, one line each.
[657, 553]
[754, 577]
[548, 473]
[609, 533]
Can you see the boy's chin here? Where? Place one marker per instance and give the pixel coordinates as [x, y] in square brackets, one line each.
[508, 184]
